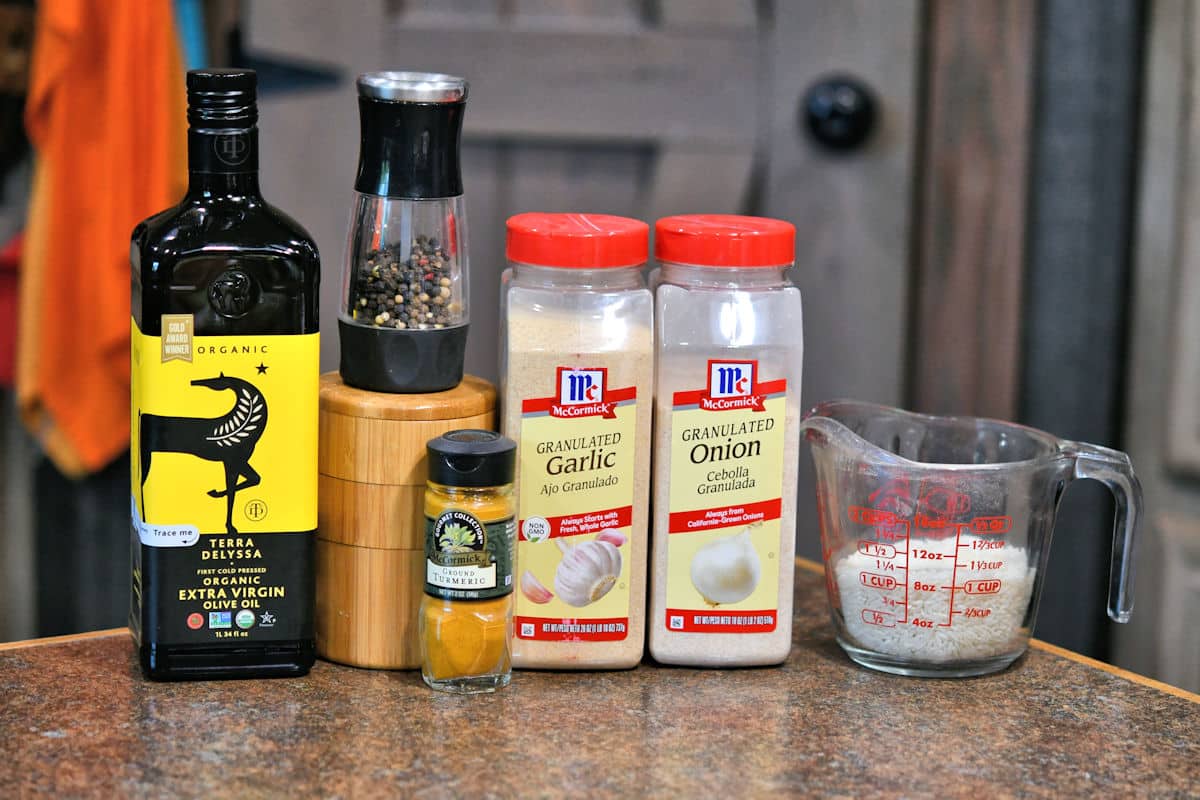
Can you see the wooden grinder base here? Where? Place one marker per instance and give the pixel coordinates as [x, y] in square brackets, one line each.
[371, 523]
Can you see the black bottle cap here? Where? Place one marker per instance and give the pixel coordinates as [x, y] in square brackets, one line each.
[473, 458]
[410, 136]
[222, 98]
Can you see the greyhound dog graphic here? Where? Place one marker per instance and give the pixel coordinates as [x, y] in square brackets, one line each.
[229, 439]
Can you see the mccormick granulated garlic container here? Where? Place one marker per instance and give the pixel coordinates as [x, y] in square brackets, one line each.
[727, 409]
[577, 388]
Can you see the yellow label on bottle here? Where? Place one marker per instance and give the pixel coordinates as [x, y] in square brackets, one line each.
[726, 483]
[576, 467]
[223, 436]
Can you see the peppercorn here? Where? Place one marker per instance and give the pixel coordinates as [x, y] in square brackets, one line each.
[388, 280]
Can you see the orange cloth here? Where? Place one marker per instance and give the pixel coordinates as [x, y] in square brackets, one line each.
[106, 114]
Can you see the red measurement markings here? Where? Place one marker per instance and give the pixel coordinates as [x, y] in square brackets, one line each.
[991, 525]
[893, 532]
[885, 582]
[932, 523]
[880, 618]
[978, 565]
[983, 544]
[907, 550]
[929, 555]
[977, 613]
[875, 549]
[871, 516]
[984, 586]
[953, 577]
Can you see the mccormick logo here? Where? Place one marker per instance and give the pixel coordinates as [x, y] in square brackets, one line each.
[732, 385]
[580, 386]
[580, 392]
[583, 393]
[731, 378]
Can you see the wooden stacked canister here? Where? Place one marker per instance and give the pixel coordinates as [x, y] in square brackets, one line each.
[371, 523]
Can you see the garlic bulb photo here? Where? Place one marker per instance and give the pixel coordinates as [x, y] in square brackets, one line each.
[532, 588]
[612, 536]
[727, 570]
[587, 572]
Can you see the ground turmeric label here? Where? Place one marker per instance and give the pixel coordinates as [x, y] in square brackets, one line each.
[726, 483]
[576, 468]
[223, 436]
[467, 559]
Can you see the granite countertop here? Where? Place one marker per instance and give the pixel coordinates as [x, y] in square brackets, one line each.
[77, 719]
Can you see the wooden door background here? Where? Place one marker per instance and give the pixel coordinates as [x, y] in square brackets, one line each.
[1163, 402]
[968, 258]
[641, 108]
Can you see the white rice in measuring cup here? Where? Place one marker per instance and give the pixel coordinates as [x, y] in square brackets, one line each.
[989, 625]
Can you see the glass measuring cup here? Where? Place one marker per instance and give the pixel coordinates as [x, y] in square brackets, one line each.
[935, 532]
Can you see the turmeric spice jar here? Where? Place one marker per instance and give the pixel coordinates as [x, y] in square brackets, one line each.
[466, 613]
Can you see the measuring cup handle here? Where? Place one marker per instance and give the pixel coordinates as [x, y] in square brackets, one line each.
[1114, 469]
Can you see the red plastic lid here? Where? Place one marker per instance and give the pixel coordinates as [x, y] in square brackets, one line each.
[725, 240]
[587, 241]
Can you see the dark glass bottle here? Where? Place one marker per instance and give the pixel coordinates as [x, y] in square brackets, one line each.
[224, 370]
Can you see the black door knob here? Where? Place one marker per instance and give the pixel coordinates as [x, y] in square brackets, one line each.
[839, 112]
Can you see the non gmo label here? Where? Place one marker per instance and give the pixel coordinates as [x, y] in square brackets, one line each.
[725, 501]
[466, 559]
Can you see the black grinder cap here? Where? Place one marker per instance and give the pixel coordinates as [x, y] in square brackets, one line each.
[472, 458]
[411, 125]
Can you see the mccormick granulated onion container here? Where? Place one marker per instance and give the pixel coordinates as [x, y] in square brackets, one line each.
[578, 380]
[727, 412]
[403, 320]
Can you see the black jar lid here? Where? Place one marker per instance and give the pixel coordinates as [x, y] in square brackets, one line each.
[473, 458]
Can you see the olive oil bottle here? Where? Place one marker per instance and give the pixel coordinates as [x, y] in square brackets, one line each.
[223, 425]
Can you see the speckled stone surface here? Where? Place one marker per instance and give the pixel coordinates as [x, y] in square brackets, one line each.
[76, 719]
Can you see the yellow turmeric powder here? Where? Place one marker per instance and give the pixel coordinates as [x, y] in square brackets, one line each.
[466, 637]
[466, 614]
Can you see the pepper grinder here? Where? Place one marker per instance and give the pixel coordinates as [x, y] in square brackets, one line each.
[403, 320]
[403, 331]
